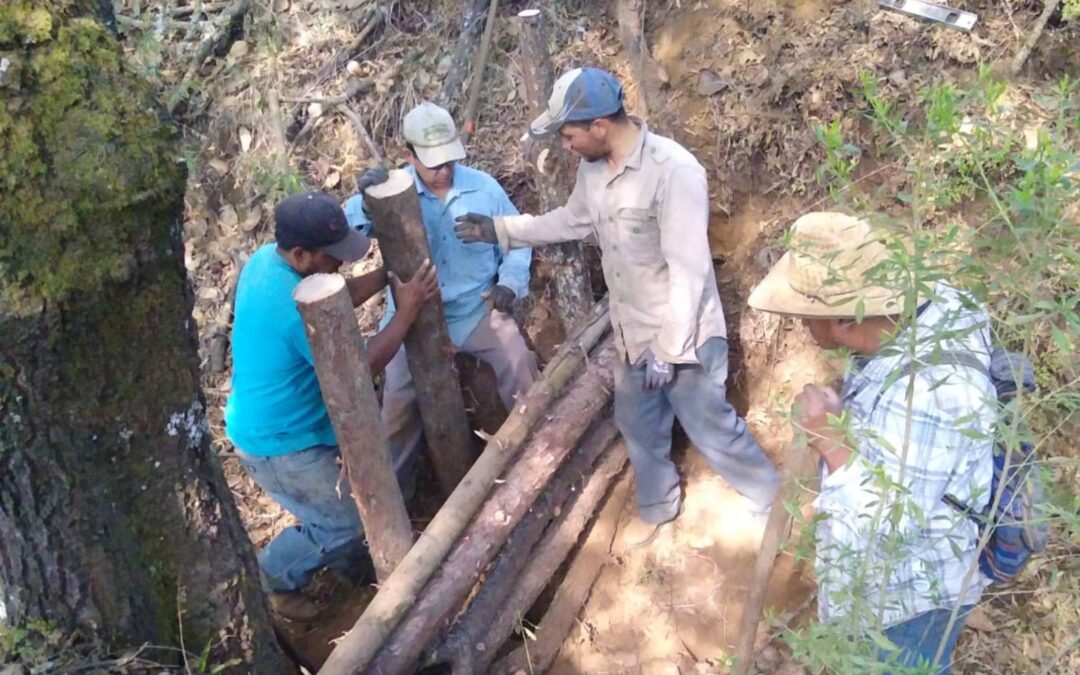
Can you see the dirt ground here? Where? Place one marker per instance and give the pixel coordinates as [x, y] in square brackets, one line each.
[742, 84]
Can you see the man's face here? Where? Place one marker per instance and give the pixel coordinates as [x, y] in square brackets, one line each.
[589, 143]
[824, 332]
[437, 178]
[315, 262]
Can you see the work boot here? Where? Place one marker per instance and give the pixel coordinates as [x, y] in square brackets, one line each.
[293, 606]
[639, 532]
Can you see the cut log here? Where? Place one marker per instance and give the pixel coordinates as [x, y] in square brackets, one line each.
[395, 214]
[500, 514]
[538, 655]
[472, 626]
[631, 32]
[573, 289]
[549, 555]
[345, 381]
[799, 461]
[459, 63]
[382, 615]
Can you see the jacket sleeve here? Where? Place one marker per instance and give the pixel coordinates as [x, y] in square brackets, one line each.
[683, 219]
[354, 214]
[513, 265]
[566, 223]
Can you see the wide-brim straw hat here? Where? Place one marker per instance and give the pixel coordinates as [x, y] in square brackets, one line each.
[831, 270]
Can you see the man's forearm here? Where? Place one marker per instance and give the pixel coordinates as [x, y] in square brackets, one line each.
[363, 287]
[382, 347]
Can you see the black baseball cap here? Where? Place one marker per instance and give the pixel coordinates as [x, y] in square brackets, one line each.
[315, 221]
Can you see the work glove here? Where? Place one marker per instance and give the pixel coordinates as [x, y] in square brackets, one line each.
[657, 372]
[367, 179]
[473, 228]
[500, 298]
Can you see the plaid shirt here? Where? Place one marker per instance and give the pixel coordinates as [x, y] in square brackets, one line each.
[889, 545]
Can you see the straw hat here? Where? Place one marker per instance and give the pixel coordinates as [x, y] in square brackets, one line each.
[824, 274]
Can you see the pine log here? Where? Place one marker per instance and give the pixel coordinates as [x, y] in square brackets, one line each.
[472, 626]
[560, 538]
[395, 213]
[573, 288]
[538, 655]
[345, 380]
[382, 615]
[500, 514]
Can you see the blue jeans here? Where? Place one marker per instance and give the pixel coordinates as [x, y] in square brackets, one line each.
[697, 395]
[919, 638]
[329, 534]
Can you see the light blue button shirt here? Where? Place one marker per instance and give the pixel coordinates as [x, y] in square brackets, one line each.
[465, 270]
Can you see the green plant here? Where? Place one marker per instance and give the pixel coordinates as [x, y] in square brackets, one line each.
[984, 191]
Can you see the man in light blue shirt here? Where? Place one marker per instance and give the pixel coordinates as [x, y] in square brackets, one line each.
[479, 284]
[276, 416]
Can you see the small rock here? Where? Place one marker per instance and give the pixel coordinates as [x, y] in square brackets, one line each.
[709, 83]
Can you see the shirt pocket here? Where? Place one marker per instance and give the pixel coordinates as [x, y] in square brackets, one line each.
[639, 235]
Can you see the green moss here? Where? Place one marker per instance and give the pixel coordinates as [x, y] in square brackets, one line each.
[24, 23]
[82, 151]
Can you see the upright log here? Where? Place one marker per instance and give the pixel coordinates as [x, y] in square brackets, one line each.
[358, 647]
[573, 289]
[500, 515]
[395, 213]
[345, 380]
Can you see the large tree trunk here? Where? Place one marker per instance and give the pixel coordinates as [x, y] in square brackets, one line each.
[114, 514]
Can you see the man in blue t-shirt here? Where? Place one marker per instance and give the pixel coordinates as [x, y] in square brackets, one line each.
[479, 283]
[275, 415]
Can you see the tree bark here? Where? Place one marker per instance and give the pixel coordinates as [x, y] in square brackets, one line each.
[561, 616]
[501, 514]
[345, 380]
[356, 649]
[478, 646]
[573, 289]
[115, 518]
[395, 213]
[473, 625]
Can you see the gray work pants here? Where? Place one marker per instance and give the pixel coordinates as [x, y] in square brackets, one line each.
[697, 395]
[497, 341]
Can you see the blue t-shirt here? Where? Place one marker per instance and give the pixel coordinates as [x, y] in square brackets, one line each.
[275, 406]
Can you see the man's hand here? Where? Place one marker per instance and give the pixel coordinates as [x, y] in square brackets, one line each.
[500, 298]
[657, 372]
[372, 177]
[813, 407]
[410, 296]
[473, 228]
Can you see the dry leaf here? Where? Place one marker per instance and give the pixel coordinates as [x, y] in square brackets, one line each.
[227, 217]
[709, 83]
[245, 139]
[238, 50]
[220, 166]
[252, 219]
[332, 180]
[980, 620]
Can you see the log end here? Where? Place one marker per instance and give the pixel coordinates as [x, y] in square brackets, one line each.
[318, 287]
[399, 181]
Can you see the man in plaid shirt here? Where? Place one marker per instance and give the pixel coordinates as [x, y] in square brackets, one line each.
[908, 427]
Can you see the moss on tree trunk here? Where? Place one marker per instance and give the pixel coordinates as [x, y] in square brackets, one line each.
[114, 514]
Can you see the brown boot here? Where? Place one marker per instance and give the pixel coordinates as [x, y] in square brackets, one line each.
[293, 606]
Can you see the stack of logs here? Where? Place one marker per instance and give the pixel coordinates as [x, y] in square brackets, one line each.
[460, 594]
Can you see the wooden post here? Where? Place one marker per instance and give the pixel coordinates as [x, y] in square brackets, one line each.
[345, 381]
[395, 597]
[500, 514]
[573, 289]
[395, 213]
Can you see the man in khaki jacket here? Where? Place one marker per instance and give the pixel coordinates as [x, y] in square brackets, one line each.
[645, 199]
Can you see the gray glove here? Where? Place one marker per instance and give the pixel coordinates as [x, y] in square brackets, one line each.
[472, 228]
[367, 179]
[657, 373]
[501, 298]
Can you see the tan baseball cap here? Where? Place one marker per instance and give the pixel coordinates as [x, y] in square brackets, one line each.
[830, 271]
[434, 137]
